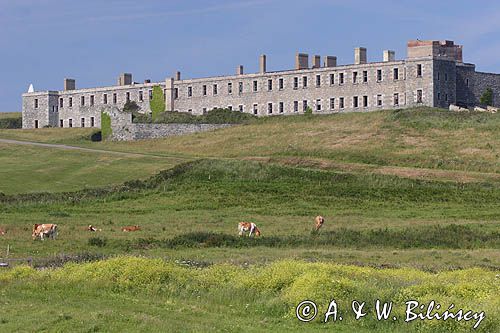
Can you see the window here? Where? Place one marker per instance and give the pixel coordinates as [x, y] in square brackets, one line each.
[341, 102]
[61, 123]
[229, 88]
[92, 100]
[255, 86]
[318, 80]
[332, 79]
[204, 90]
[446, 97]
[215, 89]
[240, 107]
[419, 96]
[354, 77]
[230, 108]
[204, 110]
[439, 96]
[114, 98]
[53, 108]
[150, 94]
[365, 76]
[36, 123]
[438, 76]
[70, 122]
[281, 107]
[83, 122]
[255, 109]
[341, 78]
[379, 75]
[281, 84]
[92, 122]
[176, 93]
[365, 101]
[36, 104]
[379, 100]
[295, 106]
[419, 70]
[304, 106]
[240, 87]
[190, 110]
[270, 84]
[190, 92]
[105, 99]
[71, 102]
[318, 105]
[270, 108]
[61, 102]
[355, 102]
[295, 83]
[396, 73]
[141, 96]
[332, 103]
[304, 82]
[82, 103]
[446, 77]
[127, 96]
[396, 99]
[467, 82]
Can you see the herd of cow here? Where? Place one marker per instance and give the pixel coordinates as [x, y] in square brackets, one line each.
[49, 230]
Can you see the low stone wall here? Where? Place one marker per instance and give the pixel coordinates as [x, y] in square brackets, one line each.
[123, 129]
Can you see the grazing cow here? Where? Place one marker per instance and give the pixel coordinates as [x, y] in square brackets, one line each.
[44, 230]
[91, 228]
[131, 228]
[318, 222]
[244, 227]
[2, 232]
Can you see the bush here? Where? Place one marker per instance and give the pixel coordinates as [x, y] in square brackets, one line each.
[215, 116]
[11, 123]
[308, 110]
[130, 107]
[487, 97]
[97, 241]
[157, 103]
[106, 130]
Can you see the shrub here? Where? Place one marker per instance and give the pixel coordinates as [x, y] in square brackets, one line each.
[308, 111]
[130, 106]
[157, 103]
[97, 241]
[487, 97]
[106, 130]
[10, 123]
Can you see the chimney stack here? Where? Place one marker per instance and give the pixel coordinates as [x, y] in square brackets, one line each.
[316, 61]
[177, 76]
[262, 63]
[125, 79]
[69, 84]
[359, 55]
[389, 55]
[239, 70]
[147, 81]
[301, 61]
[330, 61]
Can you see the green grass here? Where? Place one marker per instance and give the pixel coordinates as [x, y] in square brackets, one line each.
[10, 115]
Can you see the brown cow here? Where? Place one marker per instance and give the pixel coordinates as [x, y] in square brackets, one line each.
[42, 230]
[318, 222]
[91, 228]
[131, 228]
[244, 227]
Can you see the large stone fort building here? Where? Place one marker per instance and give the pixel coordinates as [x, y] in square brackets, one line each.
[433, 74]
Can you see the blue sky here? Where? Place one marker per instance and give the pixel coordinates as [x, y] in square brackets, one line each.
[43, 41]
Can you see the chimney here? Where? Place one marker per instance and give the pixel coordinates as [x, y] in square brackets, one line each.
[147, 81]
[301, 61]
[389, 55]
[125, 79]
[316, 61]
[177, 76]
[262, 63]
[69, 84]
[359, 55]
[239, 70]
[330, 61]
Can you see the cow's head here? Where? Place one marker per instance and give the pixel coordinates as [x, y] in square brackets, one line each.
[35, 232]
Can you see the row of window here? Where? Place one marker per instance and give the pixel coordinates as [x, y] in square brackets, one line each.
[333, 79]
[70, 122]
[334, 103]
[83, 100]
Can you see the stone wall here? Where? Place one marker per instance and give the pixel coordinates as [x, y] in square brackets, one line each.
[471, 85]
[124, 130]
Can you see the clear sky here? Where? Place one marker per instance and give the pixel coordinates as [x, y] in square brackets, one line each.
[93, 41]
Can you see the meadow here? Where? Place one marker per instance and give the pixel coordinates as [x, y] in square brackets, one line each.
[411, 201]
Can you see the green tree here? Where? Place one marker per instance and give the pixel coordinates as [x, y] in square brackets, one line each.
[487, 97]
[105, 125]
[157, 103]
[308, 111]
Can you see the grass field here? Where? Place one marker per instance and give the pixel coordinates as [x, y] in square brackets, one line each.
[411, 201]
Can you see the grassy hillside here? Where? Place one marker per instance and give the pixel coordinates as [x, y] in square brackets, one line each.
[10, 115]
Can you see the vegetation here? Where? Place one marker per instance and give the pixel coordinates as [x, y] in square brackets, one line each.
[215, 116]
[106, 130]
[157, 103]
[487, 97]
[154, 295]
[10, 120]
[130, 106]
